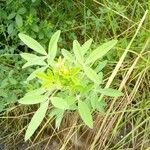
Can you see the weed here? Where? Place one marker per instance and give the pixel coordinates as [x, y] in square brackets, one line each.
[69, 83]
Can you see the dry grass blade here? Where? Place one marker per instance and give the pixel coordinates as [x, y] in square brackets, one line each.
[111, 79]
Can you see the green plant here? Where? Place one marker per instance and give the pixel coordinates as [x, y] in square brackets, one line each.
[12, 85]
[22, 16]
[70, 82]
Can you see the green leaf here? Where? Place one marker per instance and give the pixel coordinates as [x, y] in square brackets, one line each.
[22, 10]
[100, 51]
[35, 92]
[52, 49]
[33, 74]
[85, 113]
[86, 46]
[59, 103]
[94, 100]
[100, 106]
[91, 74]
[58, 113]
[77, 51]
[100, 66]
[19, 20]
[70, 100]
[53, 112]
[11, 16]
[67, 55]
[4, 83]
[10, 28]
[110, 92]
[31, 43]
[59, 117]
[33, 60]
[35, 28]
[31, 57]
[44, 77]
[36, 120]
[100, 75]
[39, 62]
[29, 99]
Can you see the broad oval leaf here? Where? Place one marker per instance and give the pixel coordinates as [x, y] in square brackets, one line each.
[86, 46]
[52, 48]
[91, 74]
[11, 16]
[77, 51]
[85, 113]
[22, 10]
[110, 92]
[59, 103]
[31, 43]
[100, 51]
[29, 99]
[10, 29]
[36, 120]
[19, 20]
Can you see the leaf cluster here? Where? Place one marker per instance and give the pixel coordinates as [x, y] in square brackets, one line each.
[68, 83]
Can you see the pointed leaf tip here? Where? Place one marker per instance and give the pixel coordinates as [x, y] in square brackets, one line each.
[85, 113]
[31, 43]
[36, 120]
[52, 48]
[100, 51]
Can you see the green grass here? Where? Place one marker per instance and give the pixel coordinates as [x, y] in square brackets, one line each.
[126, 121]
